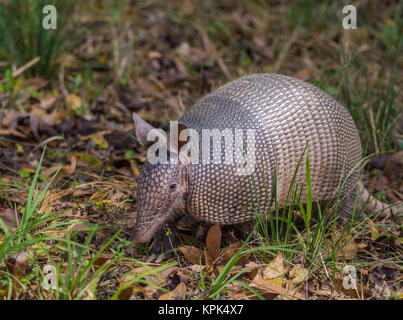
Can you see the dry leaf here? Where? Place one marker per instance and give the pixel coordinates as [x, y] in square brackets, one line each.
[49, 119]
[47, 100]
[374, 230]
[8, 217]
[73, 101]
[79, 226]
[275, 270]
[187, 7]
[270, 286]
[253, 268]
[213, 242]
[72, 167]
[149, 292]
[192, 254]
[197, 268]
[338, 285]
[230, 251]
[10, 118]
[34, 83]
[50, 171]
[55, 117]
[303, 74]
[103, 258]
[349, 251]
[180, 291]
[298, 274]
[166, 296]
[270, 281]
[154, 54]
[126, 293]
[98, 138]
[134, 273]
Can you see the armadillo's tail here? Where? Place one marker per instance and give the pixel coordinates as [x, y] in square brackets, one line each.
[374, 207]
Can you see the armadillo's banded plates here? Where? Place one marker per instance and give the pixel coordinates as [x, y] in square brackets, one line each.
[288, 115]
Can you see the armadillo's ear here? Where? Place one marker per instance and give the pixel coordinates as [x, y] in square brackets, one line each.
[142, 129]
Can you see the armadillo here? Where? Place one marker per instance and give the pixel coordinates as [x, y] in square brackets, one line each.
[291, 119]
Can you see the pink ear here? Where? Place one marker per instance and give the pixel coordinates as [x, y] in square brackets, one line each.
[142, 129]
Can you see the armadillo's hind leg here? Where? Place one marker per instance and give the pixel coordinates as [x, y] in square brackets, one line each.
[348, 206]
[352, 204]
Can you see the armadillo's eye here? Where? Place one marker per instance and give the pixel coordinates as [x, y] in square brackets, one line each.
[172, 186]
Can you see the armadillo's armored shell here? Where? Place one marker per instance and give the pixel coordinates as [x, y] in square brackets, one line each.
[287, 114]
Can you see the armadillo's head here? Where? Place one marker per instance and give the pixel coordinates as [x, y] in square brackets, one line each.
[161, 190]
[160, 196]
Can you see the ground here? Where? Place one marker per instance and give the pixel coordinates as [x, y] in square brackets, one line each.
[69, 163]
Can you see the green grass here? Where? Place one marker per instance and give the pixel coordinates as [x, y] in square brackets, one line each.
[22, 37]
[75, 261]
[23, 236]
[371, 101]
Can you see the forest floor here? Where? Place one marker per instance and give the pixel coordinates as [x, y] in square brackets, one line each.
[71, 213]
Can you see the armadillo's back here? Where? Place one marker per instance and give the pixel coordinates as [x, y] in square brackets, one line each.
[288, 115]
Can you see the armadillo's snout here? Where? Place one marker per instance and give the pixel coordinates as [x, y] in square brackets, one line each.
[139, 237]
[145, 228]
